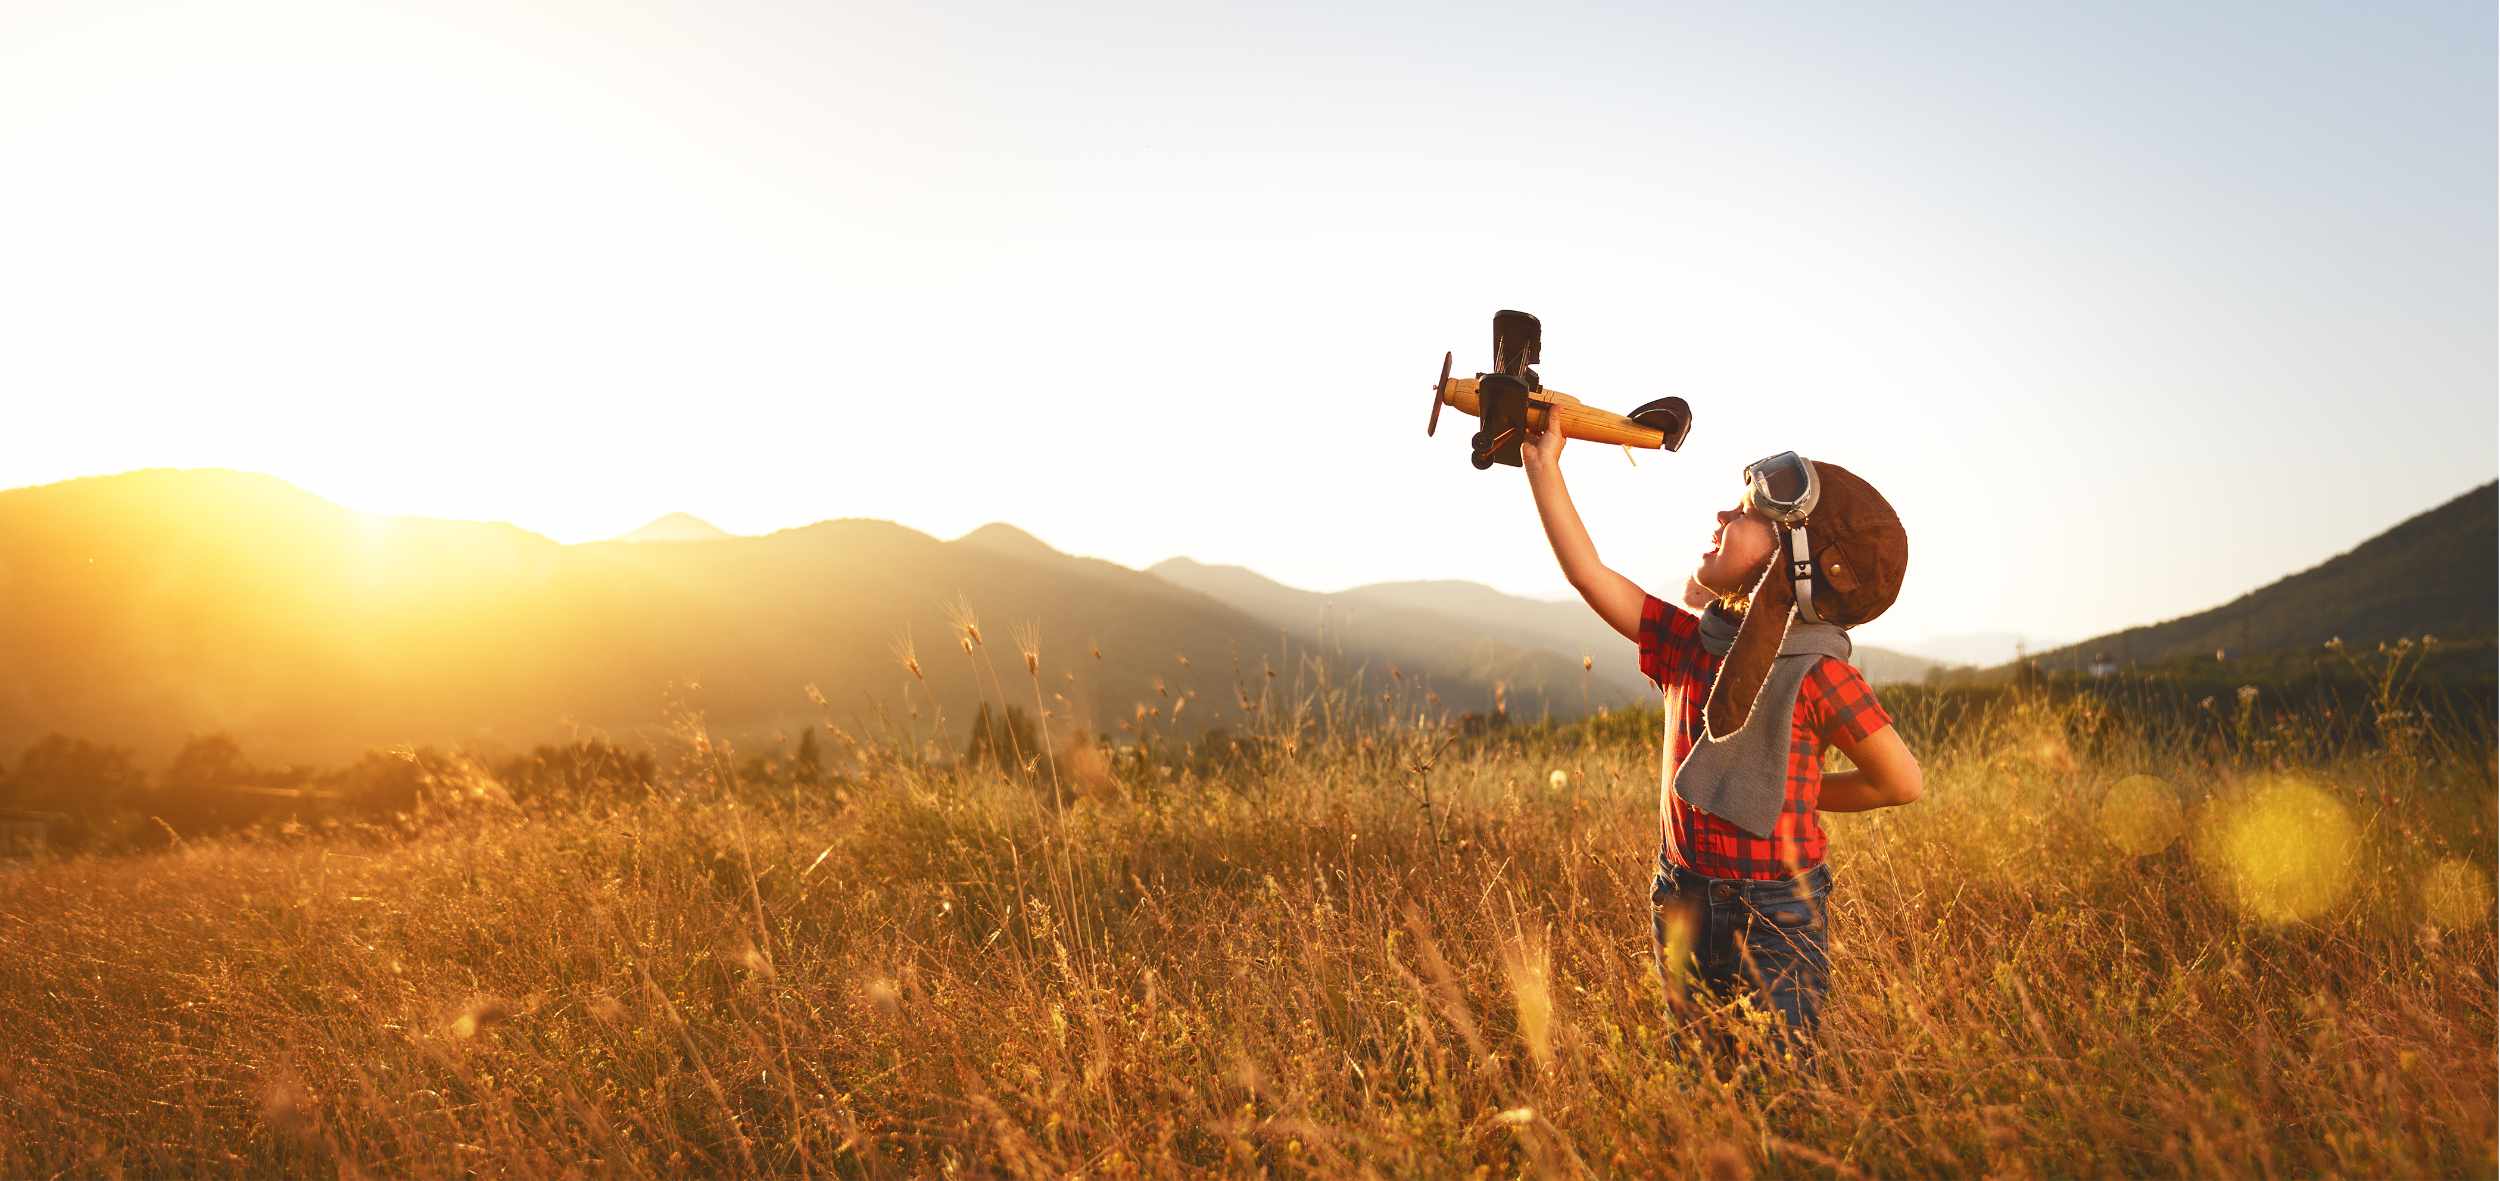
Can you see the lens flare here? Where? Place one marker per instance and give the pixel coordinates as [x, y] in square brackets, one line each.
[2141, 815]
[2455, 894]
[2286, 852]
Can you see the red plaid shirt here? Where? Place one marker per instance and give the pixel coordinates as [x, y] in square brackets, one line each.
[1834, 702]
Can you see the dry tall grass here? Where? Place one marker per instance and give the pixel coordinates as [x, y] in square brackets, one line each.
[1335, 965]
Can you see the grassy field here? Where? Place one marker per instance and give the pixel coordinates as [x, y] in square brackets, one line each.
[1383, 952]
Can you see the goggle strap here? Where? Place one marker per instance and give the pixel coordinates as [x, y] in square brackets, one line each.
[1801, 570]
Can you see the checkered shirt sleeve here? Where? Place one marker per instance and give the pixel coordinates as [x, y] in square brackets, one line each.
[1671, 650]
[1840, 705]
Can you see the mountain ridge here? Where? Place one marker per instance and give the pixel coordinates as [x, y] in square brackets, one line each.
[144, 608]
[1565, 628]
[149, 606]
[676, 527]
[2435, 572]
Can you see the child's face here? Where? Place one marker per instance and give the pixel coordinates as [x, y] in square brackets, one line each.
[1738, 548]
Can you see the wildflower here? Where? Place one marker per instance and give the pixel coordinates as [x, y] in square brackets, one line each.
[1587, 663]
[2248, 695]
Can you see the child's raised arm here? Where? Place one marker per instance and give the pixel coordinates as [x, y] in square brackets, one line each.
[1616, 599]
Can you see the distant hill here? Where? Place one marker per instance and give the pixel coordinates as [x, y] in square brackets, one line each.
[677, 527]
[999, 538]
[2437, 573]
[144, 608]
[1568, 627]
[1977, 649]
[1420, 639]
[1429, 614]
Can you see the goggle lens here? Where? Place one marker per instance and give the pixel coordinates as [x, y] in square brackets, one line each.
[1785, 482]
[1779, 484]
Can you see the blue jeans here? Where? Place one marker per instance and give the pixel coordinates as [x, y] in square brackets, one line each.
[1769, 940]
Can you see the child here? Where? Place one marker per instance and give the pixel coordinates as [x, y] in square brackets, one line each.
[1741, 893]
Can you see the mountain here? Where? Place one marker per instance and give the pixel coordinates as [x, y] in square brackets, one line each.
[1505, 636]
[2437, 573]
[144, 608]
[1569, 628]
[1977, 649]
[1422, 640]
[1000, 538]
[677, 527]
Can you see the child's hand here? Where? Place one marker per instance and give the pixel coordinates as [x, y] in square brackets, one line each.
[1542, 449]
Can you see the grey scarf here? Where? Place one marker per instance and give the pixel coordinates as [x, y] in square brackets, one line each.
[1743, 777]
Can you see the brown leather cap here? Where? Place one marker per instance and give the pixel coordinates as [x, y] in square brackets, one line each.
[1860, 549]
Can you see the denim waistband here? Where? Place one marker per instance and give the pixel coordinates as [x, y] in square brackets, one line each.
[1672, 879]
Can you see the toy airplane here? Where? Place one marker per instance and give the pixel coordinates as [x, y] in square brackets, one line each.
[1512, 401]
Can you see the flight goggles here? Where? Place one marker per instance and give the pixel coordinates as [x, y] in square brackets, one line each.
[1784, 489]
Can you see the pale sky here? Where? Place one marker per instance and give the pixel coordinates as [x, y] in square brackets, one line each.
[2127, 308]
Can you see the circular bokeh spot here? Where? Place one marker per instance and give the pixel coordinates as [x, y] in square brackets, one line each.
[2455, 894]
[2141, 815]
[2287, 851]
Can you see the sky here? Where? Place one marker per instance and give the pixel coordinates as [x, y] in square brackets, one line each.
[2126, 308]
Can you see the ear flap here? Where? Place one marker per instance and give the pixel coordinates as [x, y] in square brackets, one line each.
[1747, 667]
